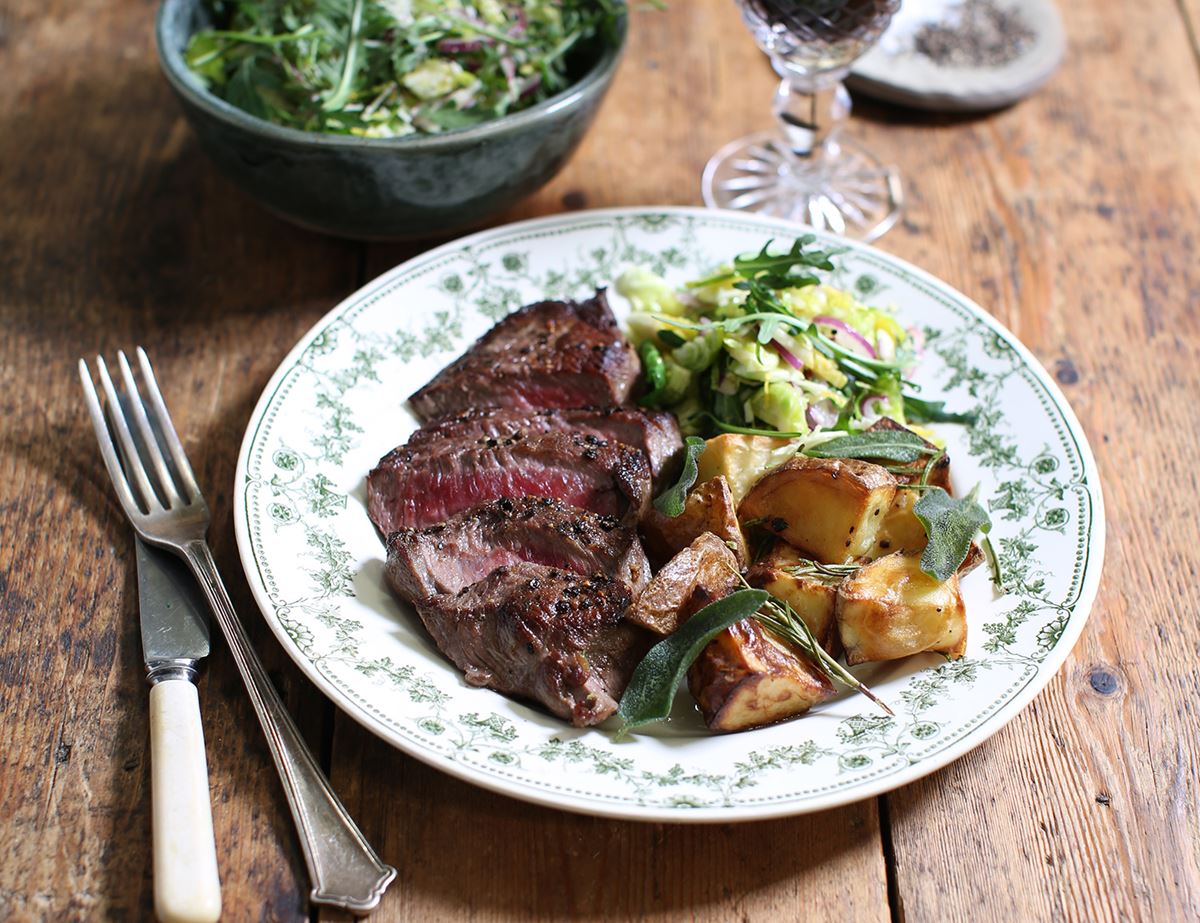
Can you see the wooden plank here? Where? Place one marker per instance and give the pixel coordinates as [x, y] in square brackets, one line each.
[116, 231]
[516, 862]
[465, 853]
[1072, 217]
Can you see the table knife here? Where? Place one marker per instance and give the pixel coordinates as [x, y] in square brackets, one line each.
[174, 620]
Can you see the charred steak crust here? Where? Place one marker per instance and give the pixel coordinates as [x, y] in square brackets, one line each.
[418, 486]
[548, 354]
[655, 432]
[543, 634]
[450, 556]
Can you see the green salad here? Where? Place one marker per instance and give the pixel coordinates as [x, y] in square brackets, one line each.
[763, 346]
[389, 68]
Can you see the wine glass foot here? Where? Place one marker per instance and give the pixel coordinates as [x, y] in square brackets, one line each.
[849, 193]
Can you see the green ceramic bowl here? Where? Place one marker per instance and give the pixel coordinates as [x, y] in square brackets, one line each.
[380, 188]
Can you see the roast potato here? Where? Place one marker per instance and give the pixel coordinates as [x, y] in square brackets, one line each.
[706, 570]
[742, 460]
[744, 678]
[709, 508]
[890, 609]
[831, 508]
[900, 529]
[813, 597]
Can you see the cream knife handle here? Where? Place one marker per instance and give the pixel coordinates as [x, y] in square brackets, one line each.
[186, 886]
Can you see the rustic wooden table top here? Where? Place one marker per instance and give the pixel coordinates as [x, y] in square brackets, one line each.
[1073, 217]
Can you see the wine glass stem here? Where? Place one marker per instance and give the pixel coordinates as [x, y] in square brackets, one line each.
[811, 116]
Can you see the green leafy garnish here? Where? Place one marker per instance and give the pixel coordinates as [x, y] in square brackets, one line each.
[896, 445]
[922, 411]
[951, 524]
[651, 690]
[388, 68]
[779, 270]
[671, 501]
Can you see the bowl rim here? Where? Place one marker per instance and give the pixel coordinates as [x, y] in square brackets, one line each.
[184, 82]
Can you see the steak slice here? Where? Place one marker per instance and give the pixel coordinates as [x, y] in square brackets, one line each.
[418, 486]
[542, 634]
[451, 556]
[549, 354]
[655, 432]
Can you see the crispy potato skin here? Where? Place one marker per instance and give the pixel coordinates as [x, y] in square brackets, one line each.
[742, 460]
[813, 600]
[745, 679]
[831, 508]
[709, 508]
[706, 570]
[890, 609]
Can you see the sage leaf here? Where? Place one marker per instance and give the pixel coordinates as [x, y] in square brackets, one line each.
[887, 445]
[951, 524]
[670, 502]
[651, 690]
[919, 410]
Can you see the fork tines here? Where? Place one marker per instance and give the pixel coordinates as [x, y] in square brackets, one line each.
[146, 479]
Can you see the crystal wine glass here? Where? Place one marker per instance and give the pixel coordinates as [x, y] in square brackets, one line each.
[806, 170]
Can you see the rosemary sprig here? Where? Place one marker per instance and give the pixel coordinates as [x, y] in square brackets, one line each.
[825, 573]
[778, 617]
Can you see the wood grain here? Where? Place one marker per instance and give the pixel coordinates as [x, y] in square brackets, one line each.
[1071, 216]
[115, 232]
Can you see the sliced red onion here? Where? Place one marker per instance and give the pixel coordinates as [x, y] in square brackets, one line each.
[787, 356]
[873, 405]
[851, 339]
[510, 74]
[821, 414]
[530, 84]
[461, 45]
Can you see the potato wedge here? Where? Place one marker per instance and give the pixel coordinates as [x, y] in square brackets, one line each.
[831, 508]
[742, 460]
[900, 529]
[890, 609]
[709, 508]
[812, 596]
[704, 571]
[744, 678]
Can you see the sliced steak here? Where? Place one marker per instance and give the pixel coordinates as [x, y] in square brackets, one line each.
[543, 634]
[450, 556]
[549, 354]
[418, 486]
[655, 432]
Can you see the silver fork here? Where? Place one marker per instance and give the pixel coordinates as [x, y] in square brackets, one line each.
[163, 502]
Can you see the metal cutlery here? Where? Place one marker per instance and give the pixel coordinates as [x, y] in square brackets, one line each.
[187, 887]
[160, 496]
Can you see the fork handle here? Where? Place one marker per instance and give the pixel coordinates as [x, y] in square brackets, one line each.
[344, 869]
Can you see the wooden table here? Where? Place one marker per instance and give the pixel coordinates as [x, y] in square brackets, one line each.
[1073, 217]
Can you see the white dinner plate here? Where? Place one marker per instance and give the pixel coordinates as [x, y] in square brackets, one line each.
[315, 564]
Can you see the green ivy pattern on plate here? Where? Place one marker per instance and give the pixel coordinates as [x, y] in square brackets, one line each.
[1039, 497]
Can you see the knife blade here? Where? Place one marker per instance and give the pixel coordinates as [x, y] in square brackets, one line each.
[174, 615]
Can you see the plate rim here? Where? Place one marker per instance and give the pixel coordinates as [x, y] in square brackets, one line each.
[1048, 669]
